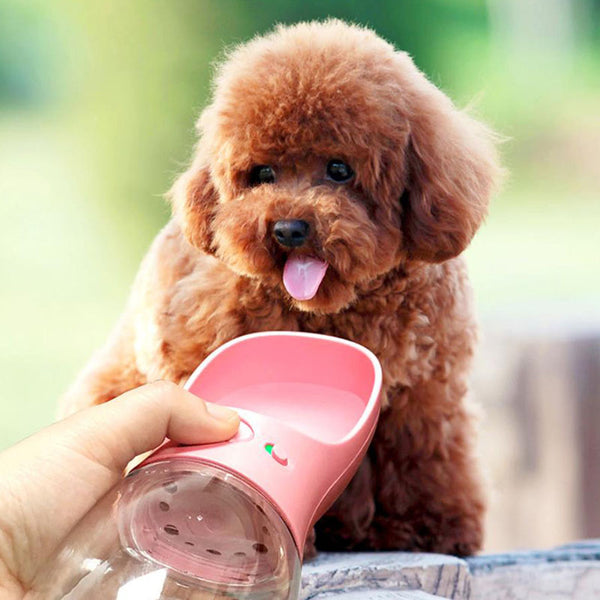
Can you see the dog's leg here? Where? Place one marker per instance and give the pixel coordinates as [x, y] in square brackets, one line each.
[420, 475]
[310, 550]
[349, 519]
[428, 487]
[110, 372]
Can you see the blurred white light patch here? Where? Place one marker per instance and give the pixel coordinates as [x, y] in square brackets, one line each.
[89, 564]
[146, 587]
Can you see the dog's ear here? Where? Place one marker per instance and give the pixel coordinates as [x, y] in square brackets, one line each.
[451, 171]
[194, 199]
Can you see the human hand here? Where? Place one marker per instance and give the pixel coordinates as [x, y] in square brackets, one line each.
[53, 478]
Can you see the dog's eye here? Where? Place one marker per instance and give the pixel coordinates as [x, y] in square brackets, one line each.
[339, 171]
[261, 174]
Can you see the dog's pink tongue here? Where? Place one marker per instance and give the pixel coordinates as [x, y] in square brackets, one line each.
[302, 276]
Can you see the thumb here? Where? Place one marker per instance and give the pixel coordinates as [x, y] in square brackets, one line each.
[139, 420]
[65, 468]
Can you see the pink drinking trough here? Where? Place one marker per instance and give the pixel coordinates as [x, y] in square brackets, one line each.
[309, 406]
[230, 520]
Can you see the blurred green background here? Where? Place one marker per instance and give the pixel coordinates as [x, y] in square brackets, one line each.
[97, 106]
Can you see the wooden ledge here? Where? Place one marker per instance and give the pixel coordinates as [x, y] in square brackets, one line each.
[377, 595]
[569, 572]
[367, 574]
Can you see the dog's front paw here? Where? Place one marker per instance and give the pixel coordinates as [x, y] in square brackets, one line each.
[310, 550]
[428, 533]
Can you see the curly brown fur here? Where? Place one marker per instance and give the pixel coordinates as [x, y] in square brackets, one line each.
[424, 172]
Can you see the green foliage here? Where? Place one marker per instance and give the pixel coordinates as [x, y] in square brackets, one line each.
[27, 45]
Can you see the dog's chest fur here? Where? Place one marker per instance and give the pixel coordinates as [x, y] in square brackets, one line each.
[188, 304]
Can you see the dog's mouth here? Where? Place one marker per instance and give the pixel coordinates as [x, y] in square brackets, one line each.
[302, 275]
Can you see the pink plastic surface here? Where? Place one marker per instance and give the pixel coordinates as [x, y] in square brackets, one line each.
[210, 526]
[309, 406]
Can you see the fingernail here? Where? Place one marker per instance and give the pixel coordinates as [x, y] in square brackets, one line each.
[222, 413]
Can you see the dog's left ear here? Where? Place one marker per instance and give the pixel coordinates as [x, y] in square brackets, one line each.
[194, 199]
[452, 170]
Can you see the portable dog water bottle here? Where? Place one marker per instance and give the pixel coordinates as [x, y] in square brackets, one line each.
[230, 519]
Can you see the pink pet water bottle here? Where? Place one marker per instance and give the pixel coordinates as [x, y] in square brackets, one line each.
[229, 520]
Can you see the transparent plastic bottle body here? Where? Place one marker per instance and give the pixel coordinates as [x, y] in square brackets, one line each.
[176, 529]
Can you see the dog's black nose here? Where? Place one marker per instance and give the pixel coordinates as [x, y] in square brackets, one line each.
[291, 232]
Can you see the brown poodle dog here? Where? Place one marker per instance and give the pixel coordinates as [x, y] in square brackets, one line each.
[332, 188]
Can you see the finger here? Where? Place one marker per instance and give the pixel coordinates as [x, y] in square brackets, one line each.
[53, 478]
[115, 432]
